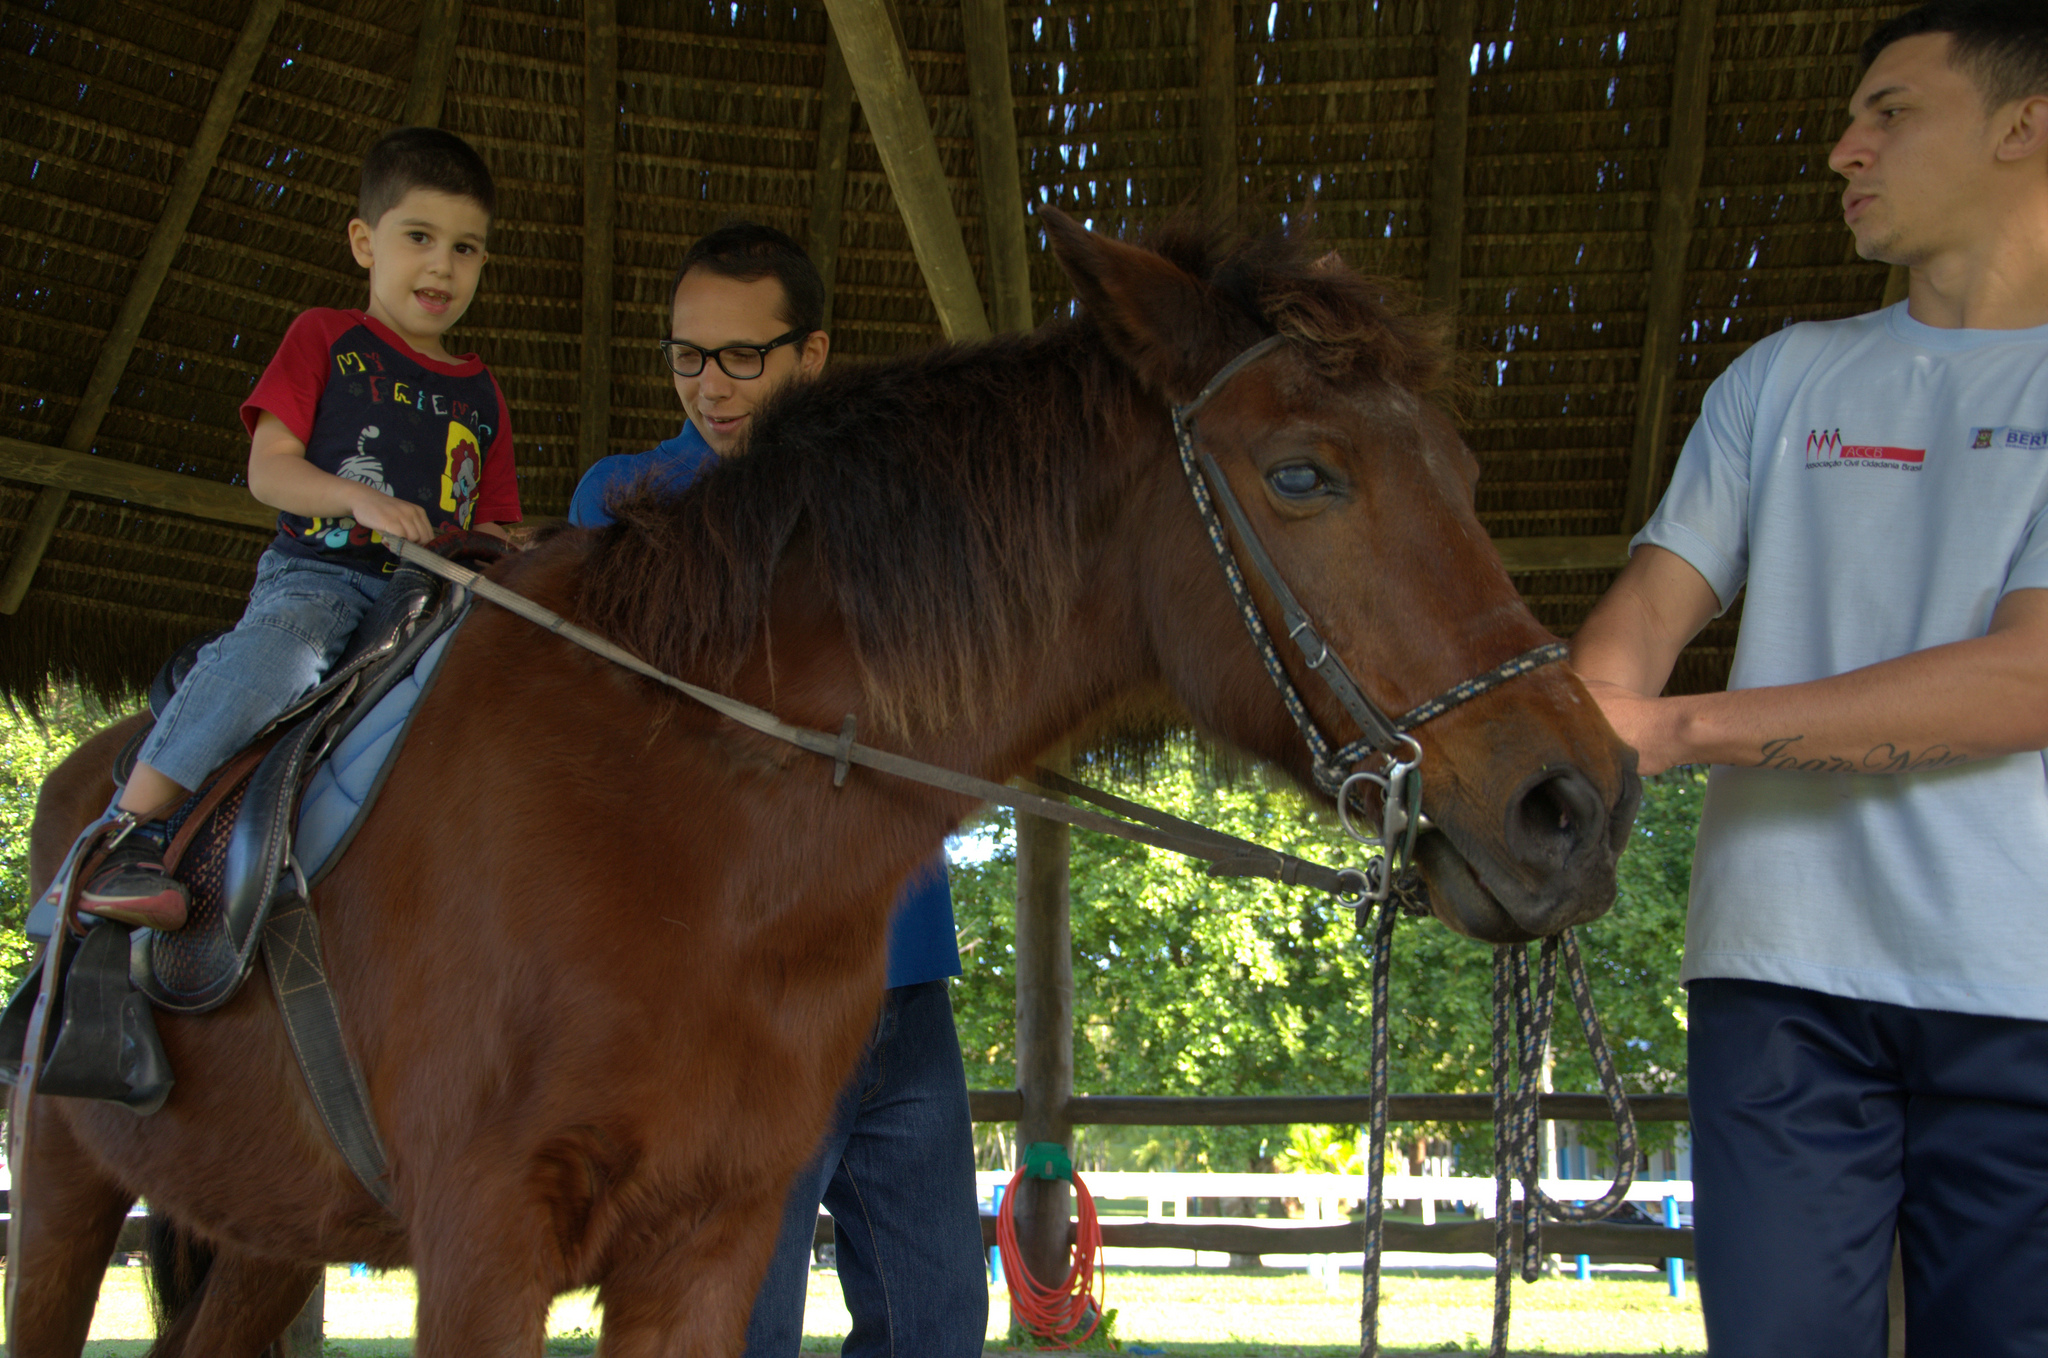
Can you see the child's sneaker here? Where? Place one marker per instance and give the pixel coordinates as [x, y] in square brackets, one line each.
[131, 886]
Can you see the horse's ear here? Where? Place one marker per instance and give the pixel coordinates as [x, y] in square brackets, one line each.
[1160, 320]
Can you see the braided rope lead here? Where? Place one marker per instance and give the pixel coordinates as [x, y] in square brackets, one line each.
[1522, 1012]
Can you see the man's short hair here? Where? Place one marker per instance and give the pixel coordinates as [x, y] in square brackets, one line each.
[422, 158]
[2003, 44]
[745, 251]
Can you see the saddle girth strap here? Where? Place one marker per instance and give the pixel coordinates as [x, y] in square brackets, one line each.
[298, 977]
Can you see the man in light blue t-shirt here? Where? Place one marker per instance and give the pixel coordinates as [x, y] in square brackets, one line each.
[896, 1169]
[1867, 947]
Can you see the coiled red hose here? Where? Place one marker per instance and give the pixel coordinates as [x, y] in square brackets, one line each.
[1055, 1314]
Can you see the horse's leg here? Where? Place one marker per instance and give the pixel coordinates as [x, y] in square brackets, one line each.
[67, 1218]
[243, 1306]
[485, 1276]
[692, 1299]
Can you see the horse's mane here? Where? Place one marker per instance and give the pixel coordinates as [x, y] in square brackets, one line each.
[941, 493]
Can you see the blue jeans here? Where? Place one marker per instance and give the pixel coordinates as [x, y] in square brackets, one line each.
[300, 617]
[896, 1171]
[1823, 1124]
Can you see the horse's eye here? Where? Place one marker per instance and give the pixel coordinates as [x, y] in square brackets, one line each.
[1297, 480]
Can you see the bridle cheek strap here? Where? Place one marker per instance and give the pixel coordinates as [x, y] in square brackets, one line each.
[1380, 734]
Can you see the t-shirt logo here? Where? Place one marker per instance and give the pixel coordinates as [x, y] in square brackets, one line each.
[460, 473]
[2005, 436]
[1826, 448]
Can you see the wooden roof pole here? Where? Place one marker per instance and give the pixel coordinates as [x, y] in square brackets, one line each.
[600, 200]
[828, 183]
[1216, 39]
[150, 273]
[433, 54]
[994, 108]
[895, 111]
[1451, 107]
[1045, 1033]
[1670, 245]
[1897, 282]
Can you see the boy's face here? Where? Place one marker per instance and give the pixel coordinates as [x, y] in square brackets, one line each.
[711, 312]
[424, 256]
[1926, 164]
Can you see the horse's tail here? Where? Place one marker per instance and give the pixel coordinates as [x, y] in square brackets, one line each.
[178, 1265]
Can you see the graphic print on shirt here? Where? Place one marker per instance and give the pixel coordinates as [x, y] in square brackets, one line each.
[365, 466]
[461, 473]
[1827, 448]
[2006, 436]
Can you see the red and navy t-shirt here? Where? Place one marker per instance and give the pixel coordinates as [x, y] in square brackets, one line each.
[371, 408]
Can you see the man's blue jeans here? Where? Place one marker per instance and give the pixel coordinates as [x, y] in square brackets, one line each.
[1821, 1125]
[300, 617]
[896, 1171]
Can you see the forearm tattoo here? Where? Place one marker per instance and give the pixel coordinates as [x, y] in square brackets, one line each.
[1784, 753]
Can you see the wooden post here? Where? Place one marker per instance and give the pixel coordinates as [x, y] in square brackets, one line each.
[895, 113]
[307, 1337]
[1452, 110]
[1217, 42]
[432, 54]
[1045, 1036]
[600, 197]
[828, 184]
[150, 273]
[1670, 244]
[1897, 283]
[993, 105]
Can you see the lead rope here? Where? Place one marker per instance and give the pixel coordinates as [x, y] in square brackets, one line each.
[1522, 1014]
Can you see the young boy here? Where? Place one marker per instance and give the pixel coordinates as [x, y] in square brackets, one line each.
[363, 428]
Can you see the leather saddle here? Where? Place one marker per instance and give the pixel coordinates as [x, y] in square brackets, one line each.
[233, 847]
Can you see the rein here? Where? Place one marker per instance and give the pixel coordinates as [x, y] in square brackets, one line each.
[1226, 855]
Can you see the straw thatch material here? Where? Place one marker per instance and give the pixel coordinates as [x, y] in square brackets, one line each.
[1568, 116]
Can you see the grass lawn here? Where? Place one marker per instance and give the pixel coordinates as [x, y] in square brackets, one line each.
[1259, 1313]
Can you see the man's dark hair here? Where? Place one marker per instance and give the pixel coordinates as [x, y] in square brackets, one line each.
[422, 158]
[2003, 44]
[745, 251]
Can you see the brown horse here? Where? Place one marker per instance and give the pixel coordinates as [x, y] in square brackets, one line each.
[605, 958]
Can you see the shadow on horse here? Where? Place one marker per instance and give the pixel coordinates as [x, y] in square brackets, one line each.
[605, 957]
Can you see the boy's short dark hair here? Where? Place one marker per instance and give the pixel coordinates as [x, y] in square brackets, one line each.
[2002, 43]
[411, 158]
[746, 251]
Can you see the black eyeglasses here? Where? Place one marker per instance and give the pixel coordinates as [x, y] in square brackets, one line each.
[739, 361]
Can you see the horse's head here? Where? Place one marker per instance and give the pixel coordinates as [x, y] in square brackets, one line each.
[1362, 493]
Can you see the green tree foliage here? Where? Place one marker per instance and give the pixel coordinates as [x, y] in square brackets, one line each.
[30, 746]
[1187, 984]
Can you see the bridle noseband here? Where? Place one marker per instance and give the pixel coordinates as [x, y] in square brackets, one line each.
[1400, 779]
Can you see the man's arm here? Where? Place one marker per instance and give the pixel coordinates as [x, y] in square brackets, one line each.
[1972, 699]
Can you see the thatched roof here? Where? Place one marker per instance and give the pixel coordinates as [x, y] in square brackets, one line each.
[1517, 170]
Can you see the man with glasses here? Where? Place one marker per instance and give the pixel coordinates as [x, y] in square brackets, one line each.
[896, 1168]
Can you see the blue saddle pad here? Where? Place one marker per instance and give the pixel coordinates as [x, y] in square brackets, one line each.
[342, 786]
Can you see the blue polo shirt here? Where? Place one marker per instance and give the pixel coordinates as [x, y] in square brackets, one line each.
[922, 943]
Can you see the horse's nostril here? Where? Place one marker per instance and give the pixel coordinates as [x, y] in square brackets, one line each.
[1554, 816]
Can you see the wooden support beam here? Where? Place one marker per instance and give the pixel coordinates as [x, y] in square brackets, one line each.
[895, 113]
[67, 473]
[1217, 42]
[1897, 282]
[307, 1337]
[433, 53]
[1530, 556]
[1045, 1034]
[1150, 1110]
[150, 273]
[994, 108]
[1670, 246]
[1452, 114]
[828, 182]
[600, 200]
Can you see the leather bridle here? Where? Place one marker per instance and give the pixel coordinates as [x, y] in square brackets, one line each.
[1399, 779]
